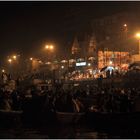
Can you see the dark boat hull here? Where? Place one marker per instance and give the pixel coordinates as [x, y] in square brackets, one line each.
[10, 118]
[113, 119]
[68, 117]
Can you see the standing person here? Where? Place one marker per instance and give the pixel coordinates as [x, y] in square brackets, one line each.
[7, 101]
[15, 100]
[123, 102]
[4, 78]
[100, 81]
[108, 73]
[18, 81]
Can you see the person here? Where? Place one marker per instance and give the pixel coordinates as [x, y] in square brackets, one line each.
[9, 77]
[123, 102]
[15, 100]
[7, 101]
[4, 78]
[100, 81]
[108, 73]
[78, 106]
[109, 105]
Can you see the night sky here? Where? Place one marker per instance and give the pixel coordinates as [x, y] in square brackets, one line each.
[26, 26]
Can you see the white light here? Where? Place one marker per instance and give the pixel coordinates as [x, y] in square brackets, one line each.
[62, 67]
[138, 35]
[39, 61]
[110, 68]
[90, 71]
[125, 25]
[51, 47]
[48, 63]
[31, 58]
[81, 64]
[89, 64]
[46, 46]
[110, 62]
[14, 57]
[9, 60]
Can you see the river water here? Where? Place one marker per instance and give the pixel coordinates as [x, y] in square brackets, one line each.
[66, 131]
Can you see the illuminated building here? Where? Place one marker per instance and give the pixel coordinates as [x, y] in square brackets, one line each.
[75, 48]
[111, 41]
[102, 56]
[116, 59]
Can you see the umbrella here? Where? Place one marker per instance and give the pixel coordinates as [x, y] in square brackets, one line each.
[64, 61]
[91, 58]
[110, 68]
[103, 69]
[72, 60]
[133, 65]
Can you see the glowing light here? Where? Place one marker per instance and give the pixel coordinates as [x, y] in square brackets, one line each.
[62, 67]
[64, 61]
[125, 25]
[81, 64]
[89, 64]
[40, 61]
[90, 71]
[110, 62]
[47, 47]
[14, 57]
[3, 70]
[31, 58]
[116, 68]
[51, 47]
[138, 35]
[48, 63]
[9, 60]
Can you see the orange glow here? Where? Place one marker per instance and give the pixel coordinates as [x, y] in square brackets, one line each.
[14, 56]
[62, 67]
[110, 62]
[51, 47]
[31, 58]
[89, 64]
[119, 58]
[125, 25]
[138, 35]
[40, 61]
[46, 47]
[9, 60]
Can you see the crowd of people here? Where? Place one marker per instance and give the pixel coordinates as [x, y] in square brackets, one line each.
[48, 98]
[72, 99]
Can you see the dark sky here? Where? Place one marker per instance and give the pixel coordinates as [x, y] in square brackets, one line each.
[27, 26]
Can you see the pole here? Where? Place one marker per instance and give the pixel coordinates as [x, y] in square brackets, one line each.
[120, 59]
[139, 46]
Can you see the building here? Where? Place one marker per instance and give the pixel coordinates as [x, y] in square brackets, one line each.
[75, 48]
[111, 42]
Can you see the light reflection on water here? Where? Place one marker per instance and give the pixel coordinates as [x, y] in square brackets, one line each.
[65, 131]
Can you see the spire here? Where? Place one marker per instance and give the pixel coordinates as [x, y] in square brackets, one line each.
[75, 46]
[92, 44]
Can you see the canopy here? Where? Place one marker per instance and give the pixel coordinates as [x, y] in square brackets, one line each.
[135, 64]
[110, 68]
[103, 69]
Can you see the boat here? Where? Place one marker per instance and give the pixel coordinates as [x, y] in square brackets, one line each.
[11, 112]
[89, 101]
[115, 119]
[10, 117]
[69, 117]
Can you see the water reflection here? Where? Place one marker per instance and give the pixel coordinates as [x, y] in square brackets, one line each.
[67, 132]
